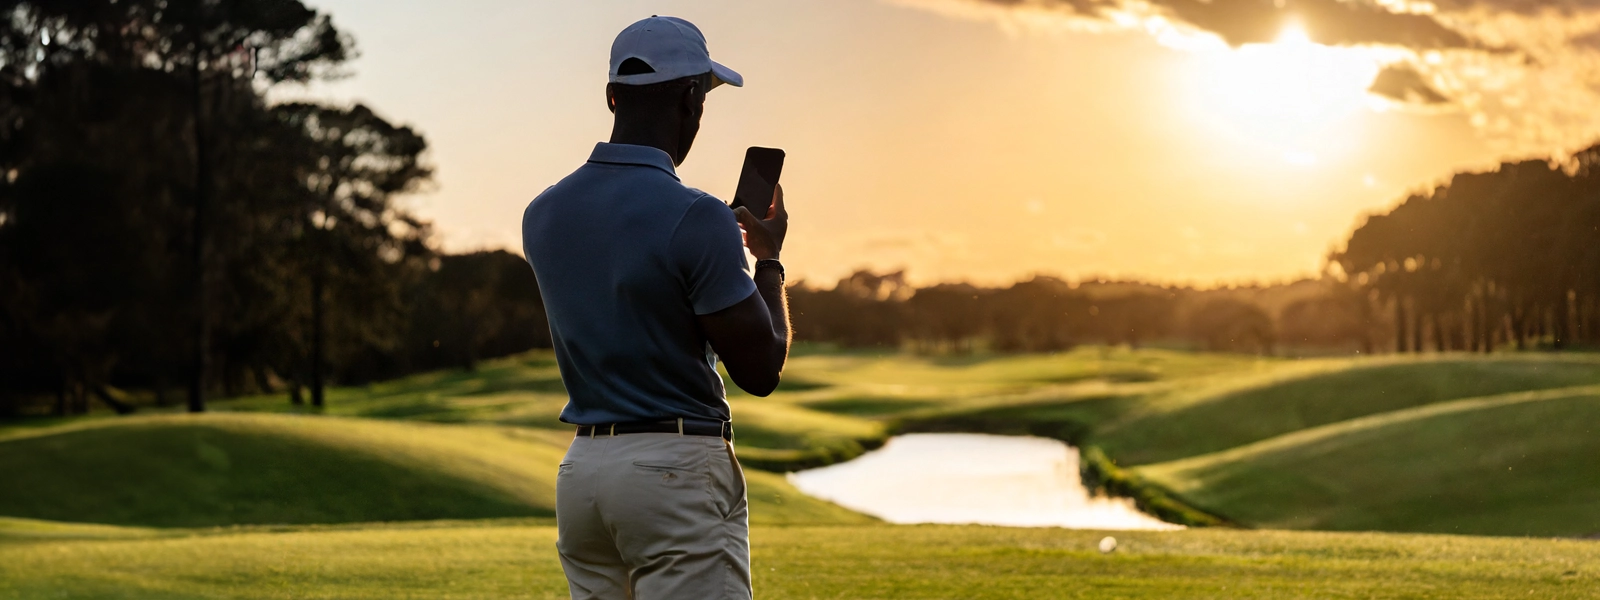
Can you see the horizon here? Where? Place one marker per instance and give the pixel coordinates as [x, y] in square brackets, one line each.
[1200, 157]
[1264, 287]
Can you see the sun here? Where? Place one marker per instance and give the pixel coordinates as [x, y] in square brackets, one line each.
[1290, 94]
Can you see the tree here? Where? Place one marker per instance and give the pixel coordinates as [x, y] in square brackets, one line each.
[472, 306]
[150, 194]
[1226, 324]
[864, 309]
[951, 315]
[353, 164]
[1502, 256]
[1041, 314]
[188, 66]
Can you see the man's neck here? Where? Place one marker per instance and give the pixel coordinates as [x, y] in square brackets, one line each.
[657, 135]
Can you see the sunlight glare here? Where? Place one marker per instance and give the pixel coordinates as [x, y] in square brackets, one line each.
[1293, 35]
[1300, 158]
[1288, 95]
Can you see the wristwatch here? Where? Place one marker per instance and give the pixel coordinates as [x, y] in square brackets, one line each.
[771, 262]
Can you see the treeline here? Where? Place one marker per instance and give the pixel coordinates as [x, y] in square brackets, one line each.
[164, 228]
[1046, 314]
[1509, 256]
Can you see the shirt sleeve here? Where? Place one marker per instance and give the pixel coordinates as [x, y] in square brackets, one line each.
[708, 252]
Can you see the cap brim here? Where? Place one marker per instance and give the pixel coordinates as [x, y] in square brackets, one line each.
[721, 74]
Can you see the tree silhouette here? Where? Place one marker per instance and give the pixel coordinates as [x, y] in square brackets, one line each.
[353, 165]
[215, 48]
[151, 195]
[1506, 256]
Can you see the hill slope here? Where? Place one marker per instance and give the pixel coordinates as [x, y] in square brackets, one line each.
[1239, 410]
[228, 469]
[1512, 464]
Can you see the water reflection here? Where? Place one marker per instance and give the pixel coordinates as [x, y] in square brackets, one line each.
[972, 478]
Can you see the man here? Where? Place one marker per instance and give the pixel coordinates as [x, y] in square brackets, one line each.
[645, 284]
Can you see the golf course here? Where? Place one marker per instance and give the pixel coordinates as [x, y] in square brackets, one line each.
[1449, 475]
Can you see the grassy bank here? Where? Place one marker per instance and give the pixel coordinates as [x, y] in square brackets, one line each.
[441, 485]
[1234, 411]
[1513, 464]
[231, 469]
[1493, 445]
[830, 407]
[1196, 438]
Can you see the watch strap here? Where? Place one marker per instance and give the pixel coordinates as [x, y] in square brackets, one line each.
[771, 263]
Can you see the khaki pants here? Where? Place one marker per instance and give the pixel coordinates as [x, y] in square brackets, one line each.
[653, 516]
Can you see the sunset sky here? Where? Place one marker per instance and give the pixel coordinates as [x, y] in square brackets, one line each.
[1174, 140]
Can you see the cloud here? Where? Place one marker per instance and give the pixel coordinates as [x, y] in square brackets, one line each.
[1526, 73]
[1589, 40]
[1329, 22]
[1402, 82]
[1238, 22]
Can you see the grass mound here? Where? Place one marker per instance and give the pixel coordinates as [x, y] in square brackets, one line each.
[521, 390]
[831, 406]
[1245, 409]
[234, 469]
[1140, 407]
[1512, 464]
[220, 469]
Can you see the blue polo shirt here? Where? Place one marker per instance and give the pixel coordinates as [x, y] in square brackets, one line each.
[626, 257]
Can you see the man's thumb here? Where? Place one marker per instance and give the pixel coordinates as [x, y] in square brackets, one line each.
[744, 216]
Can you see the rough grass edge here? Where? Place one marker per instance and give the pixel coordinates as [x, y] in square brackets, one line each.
[1103, 477]
[783, 461]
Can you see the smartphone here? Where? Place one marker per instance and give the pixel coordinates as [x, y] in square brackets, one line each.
[758, 179]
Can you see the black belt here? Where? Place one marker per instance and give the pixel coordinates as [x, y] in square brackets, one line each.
[722, 429]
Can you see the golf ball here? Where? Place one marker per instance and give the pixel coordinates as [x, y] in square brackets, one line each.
[1108, 544]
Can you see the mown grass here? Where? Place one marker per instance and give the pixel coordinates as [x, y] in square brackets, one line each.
[511, 560]
[1498, 445]
[229, 469]
[1146, 407]
[1518, 464]
[831, 405]
[523, 390]
[1241, 410]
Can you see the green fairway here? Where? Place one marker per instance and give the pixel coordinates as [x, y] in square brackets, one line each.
[227, 469]
[830, 406]
[1229, 434]
[1514, 464]
[441, 485]
[1233, 411]
[509, 560]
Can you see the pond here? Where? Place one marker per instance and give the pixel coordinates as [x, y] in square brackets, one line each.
[972, 478]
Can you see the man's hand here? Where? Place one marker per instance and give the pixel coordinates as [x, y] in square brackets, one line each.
[764, 237]
[752, 336]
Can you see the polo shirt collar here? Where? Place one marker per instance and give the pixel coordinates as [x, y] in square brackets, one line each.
[629, 154]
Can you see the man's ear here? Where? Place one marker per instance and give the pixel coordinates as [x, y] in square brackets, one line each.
[611, 98]
[694, 100]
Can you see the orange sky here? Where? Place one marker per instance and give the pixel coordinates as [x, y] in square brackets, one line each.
[952, 142]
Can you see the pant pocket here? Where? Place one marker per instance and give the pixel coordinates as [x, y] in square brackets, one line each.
[728, 483]
[677, 467]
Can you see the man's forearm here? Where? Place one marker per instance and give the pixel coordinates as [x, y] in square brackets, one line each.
[769, 283]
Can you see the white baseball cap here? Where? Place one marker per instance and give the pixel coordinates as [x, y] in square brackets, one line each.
[672, 47]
